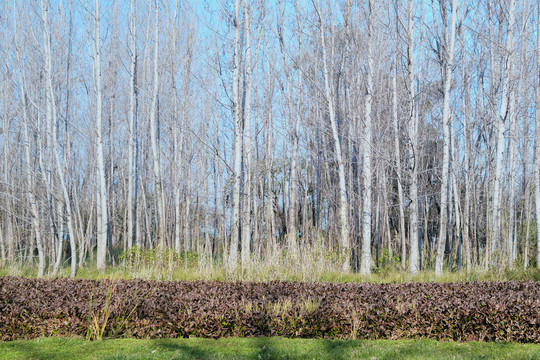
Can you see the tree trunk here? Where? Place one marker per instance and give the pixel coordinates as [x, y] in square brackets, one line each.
[395, 123]
[343, 201]
[500, 128]
[247, 144]
[414, 263]
[51, 119]
[365, 265]
[468, 172]
[237, 143]
[446, 118]
[537, 145]
[132, 142]
[154, 135]
[103, 220]
[31, 186]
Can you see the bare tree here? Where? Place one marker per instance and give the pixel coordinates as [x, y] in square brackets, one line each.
[365, 266]
[237, 143]
[447, 60]
[414, 261]
[103, 219]
[343, 201]
[51, 120]
[537, 143]
[433, 155]
[133, 132]
[500, 128]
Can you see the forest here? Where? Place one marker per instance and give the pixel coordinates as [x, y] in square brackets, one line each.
[313, 135]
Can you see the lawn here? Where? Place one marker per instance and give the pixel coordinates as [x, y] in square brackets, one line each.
[261, 348]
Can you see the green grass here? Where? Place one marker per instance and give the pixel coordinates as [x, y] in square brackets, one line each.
[261, 348]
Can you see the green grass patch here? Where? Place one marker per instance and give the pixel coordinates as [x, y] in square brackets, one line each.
[261, 348]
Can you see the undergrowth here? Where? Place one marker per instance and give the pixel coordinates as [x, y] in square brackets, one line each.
[314, 265]
[96, 309]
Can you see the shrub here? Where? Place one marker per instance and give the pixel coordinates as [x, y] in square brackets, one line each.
[486, 311]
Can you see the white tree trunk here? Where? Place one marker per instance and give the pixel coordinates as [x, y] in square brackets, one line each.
[414, 258]
[247, 145]
[156, 151]
[537, 144]
[103, 220]
[177, 192]
[31, 186]
[446, 118]
[343, 201]
[132, 142]
[365, 265]
[29, 176]
[467, 169]
[270, 226]
[51, 119]
[178, 141]
[293, 182]
[500, 127]
[512, 144]
[457, 204]
[237, 143]
[395, 123]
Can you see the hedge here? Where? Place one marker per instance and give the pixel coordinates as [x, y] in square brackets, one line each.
[485, 311]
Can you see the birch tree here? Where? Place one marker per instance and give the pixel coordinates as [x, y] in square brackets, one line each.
[414, 265]
[537, 141]
[103, 219]
[289, 152]
[237, 143]
[133, 132]
[31, 185]
[249, 65]
[447, 60]
[30, 178]
[365, 266]
[500, 129]
[51, 120]
[343, 201]
[154, 130]
[467, 169]
[294, 121]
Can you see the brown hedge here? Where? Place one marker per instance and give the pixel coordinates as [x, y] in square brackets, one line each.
[486, 311]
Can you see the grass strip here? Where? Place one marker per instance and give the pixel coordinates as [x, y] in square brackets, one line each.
[280, 269]
[261, 348]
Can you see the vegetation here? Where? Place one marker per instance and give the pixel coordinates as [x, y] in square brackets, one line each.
[262, 348]
[316, 265]
[335, 131]
[488, 311]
